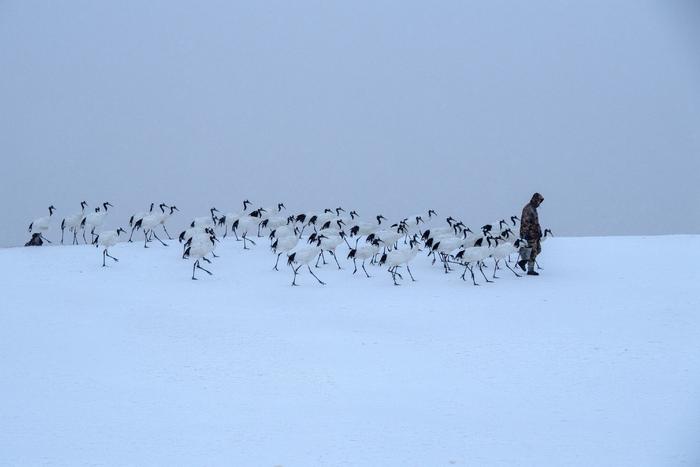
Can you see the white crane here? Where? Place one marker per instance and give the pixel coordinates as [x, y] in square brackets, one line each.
[329, 242]
[230, 217]
[283, 244]
[245, 225]
[198, 249]
[72, 223]
[444, 246]
[271, 217]
[135, 218]
[195, 232]
[388, 237]
[206, 221]
[165, 216]
[304, 255]
[284, 231]
[96, 219]
[148, 225]
[475, 254]
[364, 252]
[42, 224]
[399, 257]
[107, 239]
[360, 228]
[503, 251]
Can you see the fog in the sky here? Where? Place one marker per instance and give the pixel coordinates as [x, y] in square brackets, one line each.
[385, 106]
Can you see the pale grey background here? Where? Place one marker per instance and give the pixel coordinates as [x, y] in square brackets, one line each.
[385, 106]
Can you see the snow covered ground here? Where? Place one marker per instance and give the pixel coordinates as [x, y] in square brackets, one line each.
[595, 363]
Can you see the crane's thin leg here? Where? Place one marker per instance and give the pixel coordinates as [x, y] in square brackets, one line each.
[166, 233]
[482, 271]
[153, 232]
[145, 239]
[393, 275]
[495, 266]
[409, 273]
[471, 271]
[205, 270]
[296, 272]
[206, 259]
[363, 268]
[61, 235]
[107, 253]
[194, 266]
[312, 273]
[335, 258]
[104, 258]
[276, 262]
[354, 263]
[513, 270]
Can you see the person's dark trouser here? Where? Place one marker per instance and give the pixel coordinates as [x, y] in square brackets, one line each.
[530, 252]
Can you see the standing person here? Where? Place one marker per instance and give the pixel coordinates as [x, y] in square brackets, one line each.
[531, 231]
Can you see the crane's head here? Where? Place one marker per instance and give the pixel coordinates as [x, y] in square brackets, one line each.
[51, 210]
[120, 231]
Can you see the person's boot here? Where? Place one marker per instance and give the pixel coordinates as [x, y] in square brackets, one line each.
[522, 264]
[531, 269]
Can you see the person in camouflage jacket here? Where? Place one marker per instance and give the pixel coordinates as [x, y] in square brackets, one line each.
[35, 240]
[531, 231]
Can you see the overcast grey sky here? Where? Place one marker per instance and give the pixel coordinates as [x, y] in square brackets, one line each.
[385, 106]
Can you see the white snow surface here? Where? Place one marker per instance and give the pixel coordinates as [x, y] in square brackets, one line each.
[594, 363]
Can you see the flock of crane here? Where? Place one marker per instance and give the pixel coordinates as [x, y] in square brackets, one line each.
[306, 238]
